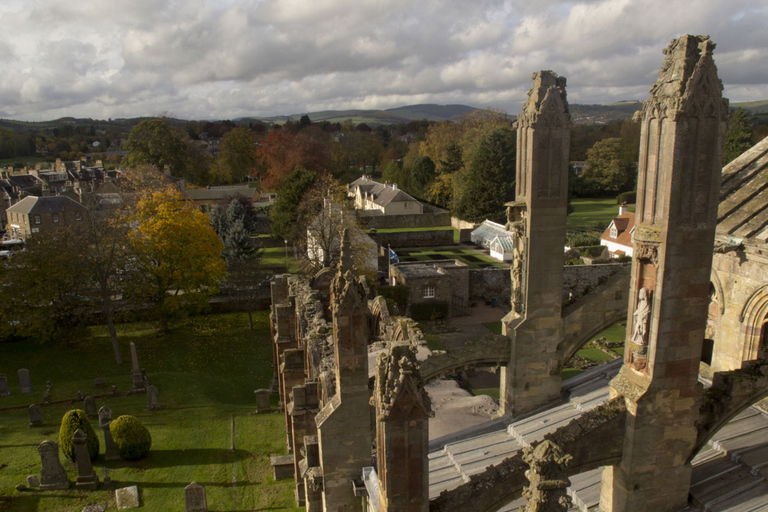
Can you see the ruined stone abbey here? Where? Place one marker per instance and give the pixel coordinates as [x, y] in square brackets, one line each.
[695, 301]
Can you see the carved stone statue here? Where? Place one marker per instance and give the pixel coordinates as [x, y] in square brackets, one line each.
[640, 323]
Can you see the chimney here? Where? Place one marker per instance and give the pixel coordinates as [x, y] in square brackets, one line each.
[394, 186]
[623, 208]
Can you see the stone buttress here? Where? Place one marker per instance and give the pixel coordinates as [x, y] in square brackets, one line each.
[537, 217]
[403, 410]
[681, 144]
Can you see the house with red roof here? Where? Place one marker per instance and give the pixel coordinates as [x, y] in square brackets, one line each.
[618, 237]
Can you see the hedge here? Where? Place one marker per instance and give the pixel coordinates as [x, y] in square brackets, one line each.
[73, 420]
[132, 439]
[429, 310]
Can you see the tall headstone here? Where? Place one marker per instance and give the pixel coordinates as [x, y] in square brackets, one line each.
[86, 476]
[4, 389]
[35, 417]
[262, 400]
[105, 418]
[52, 475]
[24, 382]
[153, 402]
[90, 407]
[136, 378]
[537, 218]
[194, 498]
[681, 148]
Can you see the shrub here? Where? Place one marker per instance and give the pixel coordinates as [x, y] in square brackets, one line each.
[397, 294]
[627, 197]
[430, 310]
[73, 420]
[132, 439]
[593, 251]
[583, 239]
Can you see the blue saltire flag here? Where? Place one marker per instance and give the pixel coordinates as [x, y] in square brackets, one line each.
[393, 256]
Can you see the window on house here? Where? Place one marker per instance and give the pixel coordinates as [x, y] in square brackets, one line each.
[429, 292]
[614, 232]
[37, 219]
[55, 217]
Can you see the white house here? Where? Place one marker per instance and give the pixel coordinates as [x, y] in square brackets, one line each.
[382, 198]
[619, 236]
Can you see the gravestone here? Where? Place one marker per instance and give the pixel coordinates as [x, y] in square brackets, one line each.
[80, 395]
[262, 400]
[153, 403]
[90, 407]
[94, 508]
[24, 382]
[4, 389]
[114, 390]
[194, 497]
[35, 418]
[105, 418]
[99, 382]
[127, 497]
[136, 378]
[52, 475]
[32, 481]
[86, 476]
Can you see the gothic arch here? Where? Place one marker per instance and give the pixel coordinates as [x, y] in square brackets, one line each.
[753, 316]
[719, 296]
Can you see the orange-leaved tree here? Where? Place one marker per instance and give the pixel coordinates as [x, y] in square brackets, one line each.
[177, 263]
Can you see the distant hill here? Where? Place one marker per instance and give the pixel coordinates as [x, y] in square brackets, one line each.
[602, 114]
[753, 107]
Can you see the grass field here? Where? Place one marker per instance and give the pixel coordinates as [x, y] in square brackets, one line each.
[591, 213]
[471, 257]
[205, 372]
[26, 160]
[274, 260]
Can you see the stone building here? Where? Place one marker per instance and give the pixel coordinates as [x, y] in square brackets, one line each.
[382, 198]
[40, 214]
[368, 450]
[444, 282]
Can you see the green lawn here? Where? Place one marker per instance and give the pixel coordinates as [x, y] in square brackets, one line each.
[274, 259]
[205, 372]
[435, 228]
[594, 354]
[592, 212]
[455, 253]
[494, 326]
[26, 160]
[567, 373]
[491, 392]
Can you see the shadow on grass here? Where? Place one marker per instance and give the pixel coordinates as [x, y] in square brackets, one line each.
[187, 457]
[178, 485]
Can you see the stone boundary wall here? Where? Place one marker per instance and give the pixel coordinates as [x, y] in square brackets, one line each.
[425, 220]
[400, 239]
[464, 228]
[578, 280]
[491, 283]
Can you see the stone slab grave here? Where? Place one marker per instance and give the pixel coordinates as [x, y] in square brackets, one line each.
[194, 498]
[282, 466]
[53, 476]
[153, 402]
[33, 481]
[99, 382]
[89, 404]
[24, 382]
[35, 417]
[127, 497]
[262, 400]
[95, 508]
[4, 389]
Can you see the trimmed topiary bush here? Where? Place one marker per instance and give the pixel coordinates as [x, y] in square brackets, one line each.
[73, 420]
[132, 439]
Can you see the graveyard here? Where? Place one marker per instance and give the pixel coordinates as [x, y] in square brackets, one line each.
[205, 372]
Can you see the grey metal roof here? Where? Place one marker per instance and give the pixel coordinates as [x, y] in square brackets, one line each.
[506, 243]
[728, 473]
[743, 211]
[49, 204]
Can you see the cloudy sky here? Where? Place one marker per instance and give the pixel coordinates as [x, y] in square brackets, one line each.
[222, 59]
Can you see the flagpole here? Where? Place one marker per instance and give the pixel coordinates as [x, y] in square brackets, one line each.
[389, 261]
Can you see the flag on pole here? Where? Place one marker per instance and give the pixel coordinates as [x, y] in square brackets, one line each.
[393, 256]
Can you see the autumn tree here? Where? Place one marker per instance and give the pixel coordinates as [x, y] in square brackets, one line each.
[177, 261]
[738, 138]
[281, 152]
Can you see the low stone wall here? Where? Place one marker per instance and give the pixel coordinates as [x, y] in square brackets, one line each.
[580, 279]
[464, 228]
[436, 238]
[425, 220]
[491, 283]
